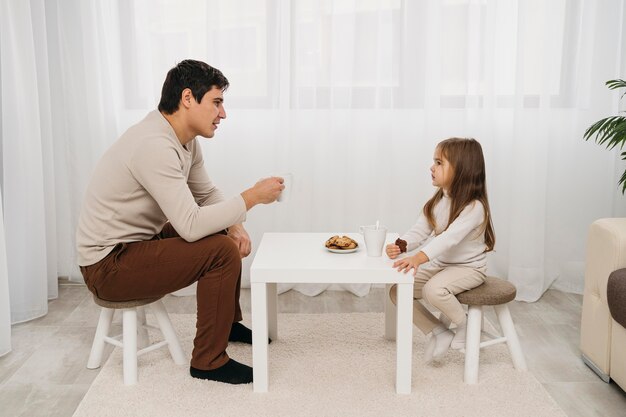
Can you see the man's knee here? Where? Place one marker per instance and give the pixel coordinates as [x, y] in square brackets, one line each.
[226, 247]
[218, 251]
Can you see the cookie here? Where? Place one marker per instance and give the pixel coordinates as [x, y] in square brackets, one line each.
[331, 242]
[341, 243]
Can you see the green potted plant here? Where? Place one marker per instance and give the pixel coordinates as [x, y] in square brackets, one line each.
[611, 130]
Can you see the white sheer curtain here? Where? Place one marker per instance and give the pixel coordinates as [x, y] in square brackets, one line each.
[350, 96]
[27, 174]
[5, 311]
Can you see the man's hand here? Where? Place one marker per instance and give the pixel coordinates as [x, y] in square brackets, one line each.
[265, 191]
[241, 238]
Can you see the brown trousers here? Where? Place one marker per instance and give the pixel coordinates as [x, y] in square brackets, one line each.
[168, 263]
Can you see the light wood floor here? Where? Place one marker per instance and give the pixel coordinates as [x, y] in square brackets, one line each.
[45, 374]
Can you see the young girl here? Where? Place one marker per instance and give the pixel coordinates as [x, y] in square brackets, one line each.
[458, 219]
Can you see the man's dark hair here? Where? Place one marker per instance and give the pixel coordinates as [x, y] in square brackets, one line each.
[198, 76]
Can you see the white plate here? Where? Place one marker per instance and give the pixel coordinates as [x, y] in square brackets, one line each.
[342, 250]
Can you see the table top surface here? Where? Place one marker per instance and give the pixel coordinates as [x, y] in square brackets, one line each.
[286, 253]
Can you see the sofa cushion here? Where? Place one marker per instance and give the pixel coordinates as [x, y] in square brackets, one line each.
[616, 295]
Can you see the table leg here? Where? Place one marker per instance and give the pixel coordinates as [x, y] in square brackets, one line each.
[272, 310]
[390, 315]
[404, 338]
[259, 336]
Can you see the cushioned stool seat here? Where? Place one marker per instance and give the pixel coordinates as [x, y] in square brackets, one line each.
[492, 292]
[497, 293]
[132, 335]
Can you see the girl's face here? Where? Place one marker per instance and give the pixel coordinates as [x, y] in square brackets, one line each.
[441, 171]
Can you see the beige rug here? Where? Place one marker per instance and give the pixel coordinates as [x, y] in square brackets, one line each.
[322, 365]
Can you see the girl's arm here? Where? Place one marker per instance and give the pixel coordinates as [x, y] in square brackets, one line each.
[414, 237]
[418, 233]
[471, 218]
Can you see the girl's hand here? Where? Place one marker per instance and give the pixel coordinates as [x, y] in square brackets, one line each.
[392, 250]
[406, 264]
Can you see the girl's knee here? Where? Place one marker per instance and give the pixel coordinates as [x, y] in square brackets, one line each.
[393, 293]
[434, 293]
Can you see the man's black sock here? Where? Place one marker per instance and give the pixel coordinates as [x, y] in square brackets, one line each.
[240, 333]
[232, 372]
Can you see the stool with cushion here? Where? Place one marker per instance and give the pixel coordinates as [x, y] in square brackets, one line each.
[133, 336]
[497, 293]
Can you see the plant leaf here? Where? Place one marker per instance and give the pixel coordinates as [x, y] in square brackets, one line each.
[611, 129]
[613, 84]
[622, 180]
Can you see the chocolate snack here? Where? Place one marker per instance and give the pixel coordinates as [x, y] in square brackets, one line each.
[401, 244]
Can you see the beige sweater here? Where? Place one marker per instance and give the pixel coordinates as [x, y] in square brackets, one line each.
[461, 244]
[144, 180]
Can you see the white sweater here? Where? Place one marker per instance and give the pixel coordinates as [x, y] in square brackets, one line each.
[145, 179]
[462, 244]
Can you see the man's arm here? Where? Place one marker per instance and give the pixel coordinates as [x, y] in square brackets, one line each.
[158, 169]
[204, 191]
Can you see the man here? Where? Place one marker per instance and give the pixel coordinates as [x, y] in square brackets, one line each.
[152, 222]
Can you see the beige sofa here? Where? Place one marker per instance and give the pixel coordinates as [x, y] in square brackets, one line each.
[602, 339]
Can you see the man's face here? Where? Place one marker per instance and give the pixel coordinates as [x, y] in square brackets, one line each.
[206, 115]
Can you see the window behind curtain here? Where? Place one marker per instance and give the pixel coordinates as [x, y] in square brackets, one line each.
[235, 36]
[359, 54]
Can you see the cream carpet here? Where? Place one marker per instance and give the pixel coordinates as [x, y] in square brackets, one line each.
[322, 365]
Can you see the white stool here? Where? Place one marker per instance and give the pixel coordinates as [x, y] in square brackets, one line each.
[132, 335]
[497, 293]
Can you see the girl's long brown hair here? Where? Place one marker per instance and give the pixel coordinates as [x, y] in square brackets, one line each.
[468, 183]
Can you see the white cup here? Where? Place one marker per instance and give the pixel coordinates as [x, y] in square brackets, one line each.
[283, 197]
[374, 239]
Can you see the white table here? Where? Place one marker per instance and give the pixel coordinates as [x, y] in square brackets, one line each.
[302, 258]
